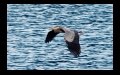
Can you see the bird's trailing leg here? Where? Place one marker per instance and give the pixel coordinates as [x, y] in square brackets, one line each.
[80, 33]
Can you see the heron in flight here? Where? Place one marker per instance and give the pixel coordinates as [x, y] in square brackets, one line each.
[71, 38]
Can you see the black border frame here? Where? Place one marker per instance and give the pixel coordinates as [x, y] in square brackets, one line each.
[3, 32]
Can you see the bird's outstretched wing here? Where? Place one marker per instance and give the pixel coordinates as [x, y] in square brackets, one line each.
[74, 48]
[50, 36]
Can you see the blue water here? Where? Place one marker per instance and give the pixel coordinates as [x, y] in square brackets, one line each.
[28, 25]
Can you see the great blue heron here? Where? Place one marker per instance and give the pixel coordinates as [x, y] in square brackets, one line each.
[71, 38]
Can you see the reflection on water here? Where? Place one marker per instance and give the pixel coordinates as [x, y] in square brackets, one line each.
[27, 27]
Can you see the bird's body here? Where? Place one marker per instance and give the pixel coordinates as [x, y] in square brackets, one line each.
[71, 38]
[69, 35]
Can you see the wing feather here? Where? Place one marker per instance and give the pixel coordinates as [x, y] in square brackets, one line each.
[74, 48]
[50, 36]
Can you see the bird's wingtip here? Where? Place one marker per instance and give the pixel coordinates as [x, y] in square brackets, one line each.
[46, 42]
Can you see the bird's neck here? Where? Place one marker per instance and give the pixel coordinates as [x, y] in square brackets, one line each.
[65, 29]
[62, 31]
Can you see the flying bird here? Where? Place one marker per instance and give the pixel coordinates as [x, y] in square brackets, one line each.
[71, 38]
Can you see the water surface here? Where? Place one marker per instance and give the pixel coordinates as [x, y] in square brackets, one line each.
[27, 27]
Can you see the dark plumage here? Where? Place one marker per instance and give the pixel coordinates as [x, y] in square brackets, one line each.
[50, 36]
[74, 46]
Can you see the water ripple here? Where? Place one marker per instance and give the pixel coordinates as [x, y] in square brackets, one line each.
[27, 27]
